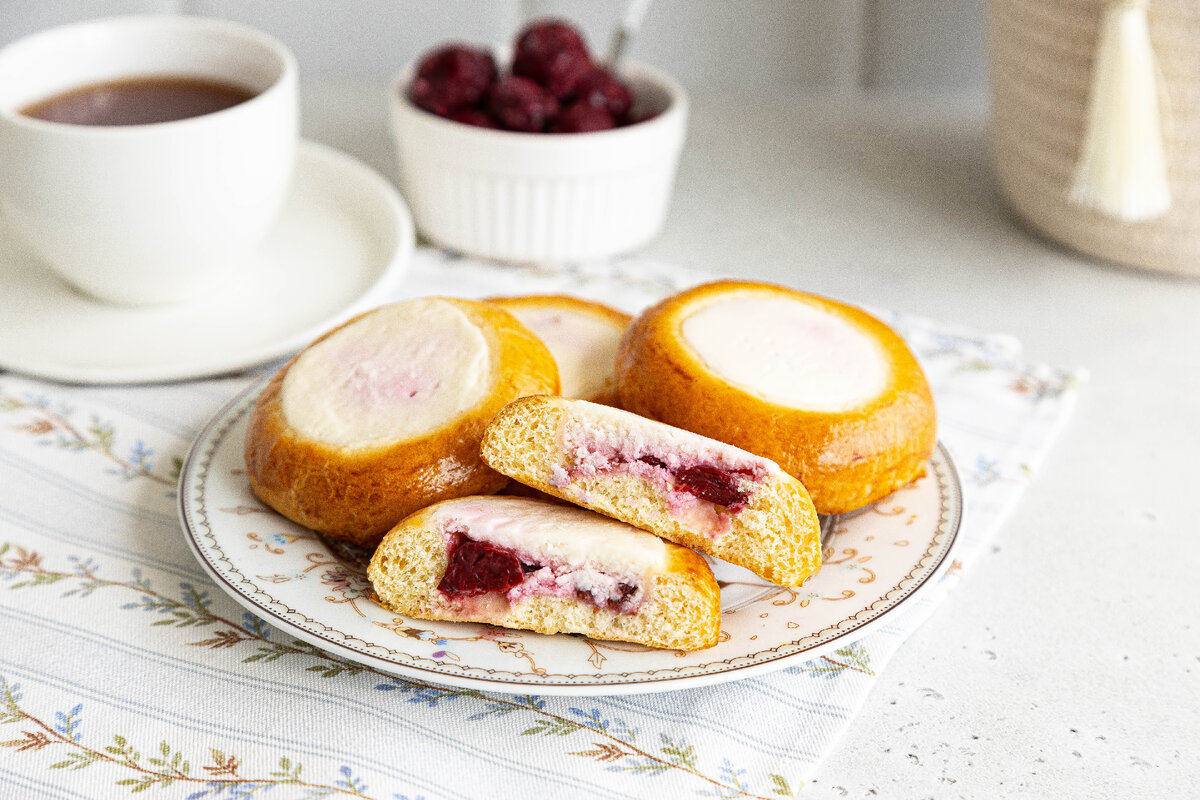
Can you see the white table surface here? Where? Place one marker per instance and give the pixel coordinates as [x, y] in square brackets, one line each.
[1067, 664]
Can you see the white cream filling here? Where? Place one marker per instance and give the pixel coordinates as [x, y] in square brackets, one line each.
[398, 373]
[584, 345]
[596, 428]
[787, 351]
[552, 532]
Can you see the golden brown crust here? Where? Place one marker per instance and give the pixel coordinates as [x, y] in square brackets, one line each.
[682, 610]
[358, 495]
[605, 313]
[845, 460]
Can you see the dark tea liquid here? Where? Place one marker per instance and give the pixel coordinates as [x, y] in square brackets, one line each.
[138, 101]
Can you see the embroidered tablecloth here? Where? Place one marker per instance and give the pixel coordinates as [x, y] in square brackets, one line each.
[123, 668]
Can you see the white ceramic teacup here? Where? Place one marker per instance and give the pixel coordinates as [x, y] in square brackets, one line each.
[150, 213]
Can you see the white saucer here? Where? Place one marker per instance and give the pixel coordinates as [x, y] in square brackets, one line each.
[343, 239]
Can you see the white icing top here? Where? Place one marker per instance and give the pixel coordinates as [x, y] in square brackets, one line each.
[591, 424]
[562, 533]
[787, 351]
[400, 372]
[584, 345]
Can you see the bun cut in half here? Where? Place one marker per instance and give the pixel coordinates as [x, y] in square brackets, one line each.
[546, 567]
[684, 487]
[384, 414]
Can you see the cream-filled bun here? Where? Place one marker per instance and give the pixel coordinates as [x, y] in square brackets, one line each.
[546, 567]
[827, 391]
[583, 336]
[687, 488]
[384, 414]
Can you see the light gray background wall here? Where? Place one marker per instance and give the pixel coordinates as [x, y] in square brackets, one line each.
[759, 47]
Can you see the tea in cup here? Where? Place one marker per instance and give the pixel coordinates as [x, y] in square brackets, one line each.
[144, 158]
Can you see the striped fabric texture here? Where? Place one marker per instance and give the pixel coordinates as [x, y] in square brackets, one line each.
[124, 669]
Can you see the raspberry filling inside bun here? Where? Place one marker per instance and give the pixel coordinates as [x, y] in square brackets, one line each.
[478, 568]
[706, 487]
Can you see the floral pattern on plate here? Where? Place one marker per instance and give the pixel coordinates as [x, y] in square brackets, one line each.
[875, 560]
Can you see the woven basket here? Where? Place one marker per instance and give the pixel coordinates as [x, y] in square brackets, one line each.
[1041, 54]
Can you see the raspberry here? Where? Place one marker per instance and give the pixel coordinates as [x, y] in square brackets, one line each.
[546, 37]
[519, 104]
[582, 118]
[452, 77]
[712, 484]
[559, 72]
[601, 89]
[552, 75]
[472, 116]
[479, 567]
[554, 55]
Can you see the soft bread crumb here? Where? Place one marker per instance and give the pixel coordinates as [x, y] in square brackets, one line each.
[776, 536]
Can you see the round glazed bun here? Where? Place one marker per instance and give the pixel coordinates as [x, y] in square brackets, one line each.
[825, 390]
[582, 335]
[384, 414]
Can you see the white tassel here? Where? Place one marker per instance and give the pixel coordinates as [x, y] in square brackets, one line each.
[1122, 168]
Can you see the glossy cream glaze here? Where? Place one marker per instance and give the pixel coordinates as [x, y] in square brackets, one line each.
[787, 351]
[583, 345]
[398, 373]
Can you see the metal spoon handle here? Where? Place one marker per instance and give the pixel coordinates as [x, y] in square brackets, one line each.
[631, 23]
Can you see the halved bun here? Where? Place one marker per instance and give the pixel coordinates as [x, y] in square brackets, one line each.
[676, 484]
[548, 568]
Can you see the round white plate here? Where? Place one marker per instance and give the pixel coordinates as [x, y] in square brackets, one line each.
[343, 238]
[875, 562]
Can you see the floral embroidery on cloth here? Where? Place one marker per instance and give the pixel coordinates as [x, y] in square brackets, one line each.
[125, 669]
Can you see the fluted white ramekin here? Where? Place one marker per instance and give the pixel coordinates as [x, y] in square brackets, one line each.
[540, 197]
